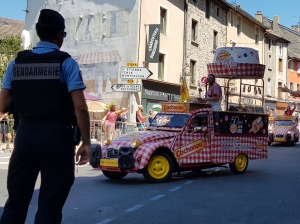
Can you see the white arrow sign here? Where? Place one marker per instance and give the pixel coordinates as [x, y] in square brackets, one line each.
[135, 73]
[126, 88]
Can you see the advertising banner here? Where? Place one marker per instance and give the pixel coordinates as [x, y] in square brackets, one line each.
[153, 45]
[240, 123]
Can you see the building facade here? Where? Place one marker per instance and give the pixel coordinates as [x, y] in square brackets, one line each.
[243, 30]
[290, 65]
[206, 22]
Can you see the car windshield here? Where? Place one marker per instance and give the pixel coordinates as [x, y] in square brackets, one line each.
[283, 123]
[169, 120]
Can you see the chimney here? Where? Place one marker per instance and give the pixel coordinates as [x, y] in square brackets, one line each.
[259, 16]
[276, 19]
[239, 6]
[295, 28]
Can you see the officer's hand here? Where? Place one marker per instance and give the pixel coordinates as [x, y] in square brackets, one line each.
[83, 154]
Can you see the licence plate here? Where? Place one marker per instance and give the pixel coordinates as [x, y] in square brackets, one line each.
[109, 162]
[279, 139]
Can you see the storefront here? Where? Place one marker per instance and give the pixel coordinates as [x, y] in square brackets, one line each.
[155, 92]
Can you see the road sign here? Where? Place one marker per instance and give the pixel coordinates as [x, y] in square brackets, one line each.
[135, 73]
[126, 88]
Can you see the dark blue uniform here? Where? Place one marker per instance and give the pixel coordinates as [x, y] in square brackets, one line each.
[43, 141]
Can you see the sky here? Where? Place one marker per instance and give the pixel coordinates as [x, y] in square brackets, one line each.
[288, 10]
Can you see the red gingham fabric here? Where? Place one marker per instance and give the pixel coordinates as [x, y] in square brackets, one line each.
[282, 130]
[226, 148]
[238, 70]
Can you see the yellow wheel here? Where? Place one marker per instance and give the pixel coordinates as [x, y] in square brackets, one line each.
[240, 164]
[159, 168]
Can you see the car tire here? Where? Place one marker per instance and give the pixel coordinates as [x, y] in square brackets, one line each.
[114, 175]
[159, 168]
[240, 164]
[269, 143]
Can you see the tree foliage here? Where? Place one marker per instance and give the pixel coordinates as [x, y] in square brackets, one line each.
[9, 47]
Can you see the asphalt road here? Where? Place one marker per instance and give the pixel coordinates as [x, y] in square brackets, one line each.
[269, 192]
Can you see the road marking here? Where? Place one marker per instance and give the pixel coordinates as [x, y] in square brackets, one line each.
[105, 221]
[175, 189]
[189, 182]
[157, 197]
[134, 208]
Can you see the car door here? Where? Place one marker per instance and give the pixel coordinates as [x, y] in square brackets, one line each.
[192, 146]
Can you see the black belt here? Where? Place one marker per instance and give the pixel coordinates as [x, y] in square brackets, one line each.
[42, 120]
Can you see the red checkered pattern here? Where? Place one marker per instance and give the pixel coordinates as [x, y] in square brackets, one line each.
[281, 130]
[145, 151]
[239, 70]
[226, 148]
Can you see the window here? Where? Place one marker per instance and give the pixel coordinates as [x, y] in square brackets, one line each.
[269, 87]
[161, 67]
[298, 71]
[218, 11]
[280, 49]
[163, 20]
[270, 62]
[194, 30]
[280, 65]
[295, 87]
[231, 18]
[256, 36]
[207, 9]
[292, 66]
[279, 92]
[238, 26]
[270, 45]
[215, 40]
[289, 86]
[192, 70]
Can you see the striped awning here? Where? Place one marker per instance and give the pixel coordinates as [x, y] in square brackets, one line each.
[99, 57]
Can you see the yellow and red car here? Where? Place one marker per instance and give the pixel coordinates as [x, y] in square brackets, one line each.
[284, 129]
[170, 144]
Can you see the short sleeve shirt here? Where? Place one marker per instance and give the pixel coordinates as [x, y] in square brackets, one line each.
[215, 90]
[70, 74]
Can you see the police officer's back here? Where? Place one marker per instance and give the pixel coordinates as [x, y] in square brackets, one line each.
[46, 89]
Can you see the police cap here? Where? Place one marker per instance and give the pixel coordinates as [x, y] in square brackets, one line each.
[52, 18]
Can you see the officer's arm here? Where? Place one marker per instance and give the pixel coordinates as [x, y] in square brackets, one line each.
[5, 100]
[82, 115]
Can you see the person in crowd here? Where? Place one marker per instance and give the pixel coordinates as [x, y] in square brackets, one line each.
[151, 116]
[48, 103]
[111, 120]
[140, 118]
[289, 111]
[213, 95]
[122, 120]
[270, 112]
[4, 131]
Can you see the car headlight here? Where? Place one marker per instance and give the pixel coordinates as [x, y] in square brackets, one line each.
[107, 141]
[135, 143]
[288, 132]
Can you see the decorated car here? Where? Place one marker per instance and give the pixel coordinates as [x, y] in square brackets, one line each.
[182, 137]
[283, 128]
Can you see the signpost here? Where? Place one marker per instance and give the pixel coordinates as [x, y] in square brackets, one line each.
[135, 73]
[127, 88]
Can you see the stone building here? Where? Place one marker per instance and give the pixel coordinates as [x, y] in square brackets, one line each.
[206, 30]
[291, 65]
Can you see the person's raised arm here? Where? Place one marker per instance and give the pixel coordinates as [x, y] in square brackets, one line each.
[83, 121]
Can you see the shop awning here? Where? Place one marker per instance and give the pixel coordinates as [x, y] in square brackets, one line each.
[99, 57]
[160, 86]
